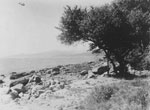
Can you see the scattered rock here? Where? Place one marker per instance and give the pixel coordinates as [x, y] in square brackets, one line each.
[90, 74]
[14, 94]
[42, 83]
[19, 88]
[45, 94]
[56, 81]
[52, 82]
[13, 73]
[52, 87]
[55, 71]
[55, 88]
[62, 85]
[1, 81]
[2, 76]
[33, 71]
[41, 91]
[90, 62]
[60, 66]
[26, 96]
[37, 79]
[46, 84]
[104, 74]
[100, 70]
[49, 72]
[84, 72]
[36, 88]
[21, 94]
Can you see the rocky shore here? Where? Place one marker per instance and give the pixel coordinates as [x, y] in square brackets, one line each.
[63, 87]
[60, 87]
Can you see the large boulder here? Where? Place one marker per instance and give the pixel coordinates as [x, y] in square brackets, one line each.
[100, 70]
[15, 75]
[23, 81]
[19, 88]
[55, 71]
[90, 74]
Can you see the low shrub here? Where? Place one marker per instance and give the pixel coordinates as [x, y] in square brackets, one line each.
[126, 95]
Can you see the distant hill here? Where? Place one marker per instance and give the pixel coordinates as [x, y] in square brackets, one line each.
[53, 54]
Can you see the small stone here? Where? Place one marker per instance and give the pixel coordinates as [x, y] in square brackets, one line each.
[1, 81]
[62, 85]
[55, 72]
[53, 82]
[33, 71]
[55, 89]
[104, 74]
[47, 83]
[26, 96]
[21, 94]
[36, 88]
[45, 94]
[49, 72]
[52, 87]
[37, 79]
[55, 69]
[14, 94]
[84, 72]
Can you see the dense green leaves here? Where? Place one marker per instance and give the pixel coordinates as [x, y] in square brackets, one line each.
[121, 29]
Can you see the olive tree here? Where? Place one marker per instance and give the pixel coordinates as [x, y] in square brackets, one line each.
[120, 29]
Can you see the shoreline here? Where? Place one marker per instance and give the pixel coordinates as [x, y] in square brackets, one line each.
[22, 65]
[62, 87]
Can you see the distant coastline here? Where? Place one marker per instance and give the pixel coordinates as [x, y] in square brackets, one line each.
[21, 64]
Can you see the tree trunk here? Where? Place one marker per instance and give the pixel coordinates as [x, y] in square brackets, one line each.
[111, 61]
[123, 70]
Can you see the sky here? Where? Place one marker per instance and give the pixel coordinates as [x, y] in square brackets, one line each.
[31, 28]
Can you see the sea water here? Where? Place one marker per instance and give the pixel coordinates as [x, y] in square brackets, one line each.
[8, 65]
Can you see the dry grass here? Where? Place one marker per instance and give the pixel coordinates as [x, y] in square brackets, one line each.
[126, 95]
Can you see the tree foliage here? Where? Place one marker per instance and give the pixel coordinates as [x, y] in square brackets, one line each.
[121, 30]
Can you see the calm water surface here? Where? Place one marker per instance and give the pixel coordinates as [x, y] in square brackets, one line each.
[27, 64]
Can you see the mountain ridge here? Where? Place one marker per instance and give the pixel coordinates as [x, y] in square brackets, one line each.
[52, 54]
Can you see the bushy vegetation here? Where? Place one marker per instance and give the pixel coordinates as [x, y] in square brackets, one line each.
[131, 95]
[121, 30]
